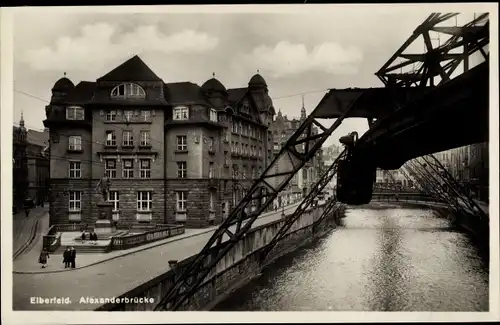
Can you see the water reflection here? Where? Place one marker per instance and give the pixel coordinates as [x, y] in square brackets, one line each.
[381, 259]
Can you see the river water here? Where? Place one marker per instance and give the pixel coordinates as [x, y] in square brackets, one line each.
[382, 258]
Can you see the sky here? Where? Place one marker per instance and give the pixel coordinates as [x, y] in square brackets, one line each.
[297, 52]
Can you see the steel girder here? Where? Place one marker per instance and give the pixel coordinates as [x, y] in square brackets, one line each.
[299, 149]
[473, 37]
[437, 181]
[314, 191]
[454, 186]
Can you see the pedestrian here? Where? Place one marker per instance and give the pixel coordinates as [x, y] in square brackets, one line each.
[73, 257]
[43, 258]
[84, 237]
[94, 237]
[67, 257]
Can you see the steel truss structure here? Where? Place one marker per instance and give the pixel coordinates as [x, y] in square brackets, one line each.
[310, 198]
[438, 182]
[472, 37]
[294, 154]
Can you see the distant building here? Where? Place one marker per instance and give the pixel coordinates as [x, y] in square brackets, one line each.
[175, 152]
[282, 128]
[30, 166]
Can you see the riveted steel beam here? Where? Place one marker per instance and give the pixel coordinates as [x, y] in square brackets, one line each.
[311, 196]
[294, 154]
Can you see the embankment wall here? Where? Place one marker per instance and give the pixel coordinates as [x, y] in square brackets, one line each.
[241, 263]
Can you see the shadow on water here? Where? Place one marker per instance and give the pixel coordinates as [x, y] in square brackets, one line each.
[266, 282]
[383, 259]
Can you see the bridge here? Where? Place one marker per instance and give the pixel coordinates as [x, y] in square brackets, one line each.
[405, 118]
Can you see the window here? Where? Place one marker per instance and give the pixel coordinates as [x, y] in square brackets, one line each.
[114, 198]
[75, 169]
[128, 115]
[145, 168]
[181, 197]
[75, 113]
[235, 171]
[128, 168]
[226, 135]
[181, 143]
[211, 171]
[213, 115]
[75, 201]
[110, 168]
[110, 138]
[111, 116]
[212, 201]
[128, 90]
[144, 201]
[181, 169]
[75, 142]
[236, 127]
[211, 144]
[181, 113]
[145, 138]
[146, 115]
[128, 138]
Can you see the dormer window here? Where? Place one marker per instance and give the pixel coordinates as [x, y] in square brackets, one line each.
[213, 115]
[181, 113]
[75, 113]
[128, 90]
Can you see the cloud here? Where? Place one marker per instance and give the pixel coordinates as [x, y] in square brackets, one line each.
[290, 59]
[102, 42]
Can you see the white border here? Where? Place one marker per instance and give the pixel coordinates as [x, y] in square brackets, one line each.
[6, 97]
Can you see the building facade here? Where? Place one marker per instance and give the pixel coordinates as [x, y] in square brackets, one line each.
[282, 129]
[175, 152]
[30, 172]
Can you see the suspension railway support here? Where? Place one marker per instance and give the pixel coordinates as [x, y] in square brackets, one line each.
[299, 148]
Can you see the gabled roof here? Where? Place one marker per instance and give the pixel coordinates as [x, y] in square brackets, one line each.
[133, 69]
[82, 93]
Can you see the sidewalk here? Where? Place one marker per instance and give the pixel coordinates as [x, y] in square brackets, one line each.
[23, 228]
[107, 276]
[26, 264]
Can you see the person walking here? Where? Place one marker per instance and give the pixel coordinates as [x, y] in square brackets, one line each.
[43, 258]
[73, 257]
[67, 257]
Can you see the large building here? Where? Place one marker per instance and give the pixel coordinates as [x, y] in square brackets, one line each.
[282, 128]
[30, 172]
[175, 152]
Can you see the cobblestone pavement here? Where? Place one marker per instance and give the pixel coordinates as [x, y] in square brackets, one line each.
[110, 277]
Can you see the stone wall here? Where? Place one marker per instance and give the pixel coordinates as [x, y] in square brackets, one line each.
[238, 266]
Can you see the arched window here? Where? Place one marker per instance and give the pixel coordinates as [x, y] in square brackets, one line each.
[128, 90]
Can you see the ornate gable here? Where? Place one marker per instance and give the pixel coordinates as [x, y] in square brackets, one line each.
[247, 108]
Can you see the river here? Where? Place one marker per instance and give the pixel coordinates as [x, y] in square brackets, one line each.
[381, 258]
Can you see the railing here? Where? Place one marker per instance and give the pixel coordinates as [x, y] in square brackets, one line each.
[403, 197]
[161, 232]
